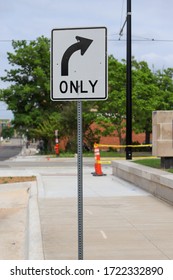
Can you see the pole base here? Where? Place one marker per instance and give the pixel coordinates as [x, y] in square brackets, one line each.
[166, 162]
[95, 174]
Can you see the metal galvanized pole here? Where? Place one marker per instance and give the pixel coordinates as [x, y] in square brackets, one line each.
[129, 85]
[80, 180]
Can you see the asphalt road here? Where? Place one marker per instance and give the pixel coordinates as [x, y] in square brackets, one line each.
[8, 151]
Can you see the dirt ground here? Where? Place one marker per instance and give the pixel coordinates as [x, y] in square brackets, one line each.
[6, 180]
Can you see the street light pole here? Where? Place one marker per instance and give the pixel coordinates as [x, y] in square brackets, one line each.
[129, 85]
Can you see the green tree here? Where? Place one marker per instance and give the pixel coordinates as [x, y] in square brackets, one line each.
[91, 133]
[46, 130]
[28, 96]
[7, 132]
[151, 91]
[145, 98]
[111, 113]
[164, 81]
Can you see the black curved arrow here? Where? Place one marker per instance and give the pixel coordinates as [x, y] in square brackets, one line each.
[82, 44]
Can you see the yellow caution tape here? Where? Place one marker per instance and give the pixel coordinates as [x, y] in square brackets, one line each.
[123, 146]
[103, 162]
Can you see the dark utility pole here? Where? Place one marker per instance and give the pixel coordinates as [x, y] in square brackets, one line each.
[129, 85]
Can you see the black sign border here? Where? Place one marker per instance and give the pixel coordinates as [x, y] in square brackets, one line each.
[106, 67]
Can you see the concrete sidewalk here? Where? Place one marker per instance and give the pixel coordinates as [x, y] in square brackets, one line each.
[121, 221]
[20, 232]
[13, 221]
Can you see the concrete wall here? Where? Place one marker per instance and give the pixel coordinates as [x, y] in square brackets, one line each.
[157, 182]
[162, 133]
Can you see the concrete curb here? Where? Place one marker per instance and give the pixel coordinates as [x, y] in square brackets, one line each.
[35, 245]
[32, 247]
[157, 182]
[40, 188]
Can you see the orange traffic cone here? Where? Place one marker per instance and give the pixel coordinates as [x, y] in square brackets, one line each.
[98, 167]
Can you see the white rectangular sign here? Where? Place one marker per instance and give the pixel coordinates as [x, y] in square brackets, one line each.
[79, 64]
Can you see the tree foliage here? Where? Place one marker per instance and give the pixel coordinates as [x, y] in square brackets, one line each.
[112, 111]
[7, 132]
[145, 98]
[151, 91]
[28, 97]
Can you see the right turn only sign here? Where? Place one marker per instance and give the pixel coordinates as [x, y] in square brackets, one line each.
[79, 64]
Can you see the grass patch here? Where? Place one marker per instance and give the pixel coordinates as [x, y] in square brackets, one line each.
[110, 153]
[171, 170]
[16, 179]
[104, 154]
[152, 162]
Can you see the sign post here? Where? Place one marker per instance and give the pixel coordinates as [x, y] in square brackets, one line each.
[79, 72]
[80, 180]
[129, 86]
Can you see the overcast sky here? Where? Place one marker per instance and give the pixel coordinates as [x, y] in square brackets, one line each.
[152, 25]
